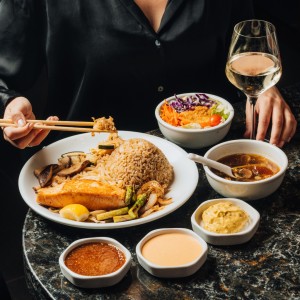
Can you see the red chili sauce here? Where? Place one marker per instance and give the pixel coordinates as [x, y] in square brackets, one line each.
[94, 259]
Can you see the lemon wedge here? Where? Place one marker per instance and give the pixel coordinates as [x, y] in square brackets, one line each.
[76, 212]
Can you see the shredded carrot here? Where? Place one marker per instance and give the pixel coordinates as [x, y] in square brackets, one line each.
[169, 115]
[199, 115]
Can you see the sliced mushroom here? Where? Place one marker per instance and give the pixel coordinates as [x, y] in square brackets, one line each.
[73, 153]
[44, 176]
[74, 169]
[37, 172]
[74, 157]
[65, 161]
[243, 173]
[69, 164]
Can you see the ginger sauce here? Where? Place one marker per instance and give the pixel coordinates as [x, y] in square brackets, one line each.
[172, 249]
[94, 259]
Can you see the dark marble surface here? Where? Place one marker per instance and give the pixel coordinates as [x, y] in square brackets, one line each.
[267, 267]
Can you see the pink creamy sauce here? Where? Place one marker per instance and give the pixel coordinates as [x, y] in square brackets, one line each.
[172, 249]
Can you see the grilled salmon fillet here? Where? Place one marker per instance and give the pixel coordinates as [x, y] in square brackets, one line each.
[90, 193]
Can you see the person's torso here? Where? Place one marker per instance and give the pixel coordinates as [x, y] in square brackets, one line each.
[105, 59]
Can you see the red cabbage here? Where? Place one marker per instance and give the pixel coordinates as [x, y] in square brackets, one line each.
[189, 102]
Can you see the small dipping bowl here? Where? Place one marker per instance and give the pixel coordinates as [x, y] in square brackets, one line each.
[226, 239]
[97, 281]
[171, 252]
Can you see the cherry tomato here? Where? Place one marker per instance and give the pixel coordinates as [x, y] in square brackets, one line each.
[215, 120]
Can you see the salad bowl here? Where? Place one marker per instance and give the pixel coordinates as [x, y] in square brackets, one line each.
[195, 131]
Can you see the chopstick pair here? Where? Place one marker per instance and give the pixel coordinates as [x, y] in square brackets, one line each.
[51, 125]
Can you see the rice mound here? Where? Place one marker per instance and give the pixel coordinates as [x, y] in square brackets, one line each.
[137, 161]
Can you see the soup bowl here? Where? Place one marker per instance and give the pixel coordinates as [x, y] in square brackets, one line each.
[246, 190]
[195, 138]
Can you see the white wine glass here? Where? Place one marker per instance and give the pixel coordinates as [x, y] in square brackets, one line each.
[253, 62]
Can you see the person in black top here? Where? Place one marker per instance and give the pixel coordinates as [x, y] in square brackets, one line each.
[120, 58]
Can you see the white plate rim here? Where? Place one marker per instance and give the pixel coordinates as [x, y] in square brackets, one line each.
[186, 177]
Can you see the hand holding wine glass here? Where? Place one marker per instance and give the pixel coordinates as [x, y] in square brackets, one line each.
[253, 63]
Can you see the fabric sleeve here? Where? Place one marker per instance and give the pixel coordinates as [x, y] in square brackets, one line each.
[20, 51]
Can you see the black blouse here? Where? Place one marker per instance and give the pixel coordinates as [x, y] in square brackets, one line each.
[103, 58]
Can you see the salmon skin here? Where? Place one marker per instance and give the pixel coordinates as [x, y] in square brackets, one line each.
[90, 193]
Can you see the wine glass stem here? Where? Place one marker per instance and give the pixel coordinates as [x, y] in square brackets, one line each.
[252, 101]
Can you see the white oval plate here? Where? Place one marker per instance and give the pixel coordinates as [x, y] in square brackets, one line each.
[182, 188]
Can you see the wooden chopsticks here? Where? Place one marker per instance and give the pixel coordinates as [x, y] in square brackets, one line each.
[52, 125]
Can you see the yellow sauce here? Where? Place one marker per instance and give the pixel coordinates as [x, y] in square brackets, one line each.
[224, 217]
[172, 249]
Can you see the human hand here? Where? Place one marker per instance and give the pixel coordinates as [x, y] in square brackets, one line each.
[272, 110]
[19, 110]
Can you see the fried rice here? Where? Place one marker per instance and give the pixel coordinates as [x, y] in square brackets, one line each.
[137, 161]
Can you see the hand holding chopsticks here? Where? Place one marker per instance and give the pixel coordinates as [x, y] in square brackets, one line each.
[52, 125]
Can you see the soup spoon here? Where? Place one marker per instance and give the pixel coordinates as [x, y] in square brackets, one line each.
[212, 164]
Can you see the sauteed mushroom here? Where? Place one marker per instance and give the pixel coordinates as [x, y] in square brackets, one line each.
[69, 164]
[242, 173]
[72, 157]
[45, 174]
[74, 169]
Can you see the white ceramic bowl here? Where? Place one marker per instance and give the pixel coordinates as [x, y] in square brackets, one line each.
[246, 190]
[226, 239]
[195, 138]
[172, 271]
[95, 281]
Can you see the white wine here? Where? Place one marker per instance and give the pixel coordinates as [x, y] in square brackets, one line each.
[253, 72]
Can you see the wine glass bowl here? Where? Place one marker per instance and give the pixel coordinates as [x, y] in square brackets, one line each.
[253, 62]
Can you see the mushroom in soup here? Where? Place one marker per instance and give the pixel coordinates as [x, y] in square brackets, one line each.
[248, 167]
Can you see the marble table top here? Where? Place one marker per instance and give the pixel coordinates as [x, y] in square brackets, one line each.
[266, 267]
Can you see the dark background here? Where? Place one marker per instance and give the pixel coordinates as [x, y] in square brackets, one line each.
[283, 14]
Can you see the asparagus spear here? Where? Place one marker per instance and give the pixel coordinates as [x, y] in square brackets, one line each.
[140, 201]
[129, 194]
[112, 213]
[133, 198]
[122, 218]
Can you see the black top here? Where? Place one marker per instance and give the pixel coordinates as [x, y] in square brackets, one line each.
[104, 59]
